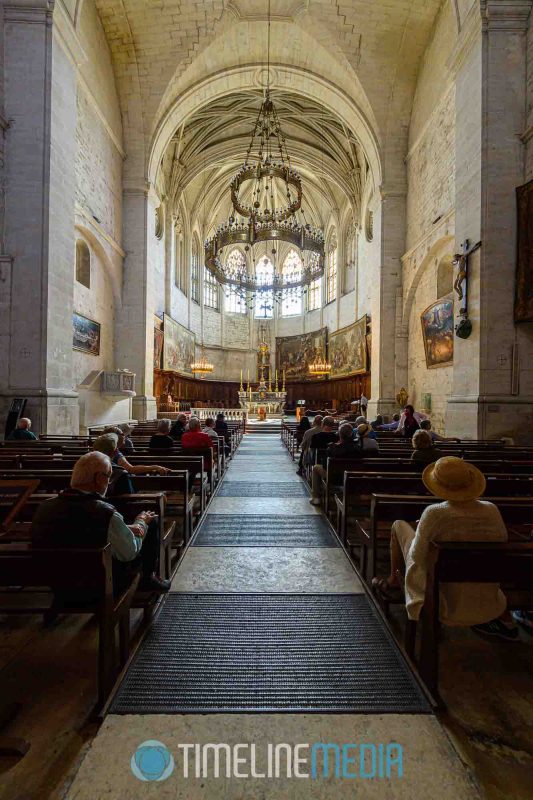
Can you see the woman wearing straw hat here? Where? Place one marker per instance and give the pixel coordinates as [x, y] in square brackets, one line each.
[461, 517]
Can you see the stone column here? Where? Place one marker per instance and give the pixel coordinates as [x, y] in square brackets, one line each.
[135, 323]
[490, 64]
[40, 106]
[389, 369]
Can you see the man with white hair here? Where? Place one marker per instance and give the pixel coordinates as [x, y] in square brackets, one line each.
[22, 431]
[80, 517]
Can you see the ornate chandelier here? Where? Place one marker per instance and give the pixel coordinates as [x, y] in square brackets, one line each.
[320, 366]
[266, 195]
[202, 367]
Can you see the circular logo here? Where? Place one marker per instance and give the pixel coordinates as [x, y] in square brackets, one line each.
[152, 761]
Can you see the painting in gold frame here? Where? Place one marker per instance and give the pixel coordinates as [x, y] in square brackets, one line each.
[437, 333]
[347, 350]
[295, 353]
[178, 347]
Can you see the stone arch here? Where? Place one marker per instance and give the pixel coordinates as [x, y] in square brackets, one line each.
[83, 263]
[111, 267]
[440, 250]
[245, 77]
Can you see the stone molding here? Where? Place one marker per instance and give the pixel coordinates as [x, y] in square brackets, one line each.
[29, 12]
[510, 16]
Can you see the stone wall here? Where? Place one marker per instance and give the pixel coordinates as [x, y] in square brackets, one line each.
[430, 205]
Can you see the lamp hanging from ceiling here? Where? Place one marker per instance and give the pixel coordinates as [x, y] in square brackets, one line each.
[202, 367]
[320, 366]
[266, 196]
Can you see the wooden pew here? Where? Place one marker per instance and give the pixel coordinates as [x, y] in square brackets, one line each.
[82, 583]
[355, 499]
[385, 509]
[510, 564]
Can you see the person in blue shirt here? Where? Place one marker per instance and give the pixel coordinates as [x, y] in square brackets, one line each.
[22, 431]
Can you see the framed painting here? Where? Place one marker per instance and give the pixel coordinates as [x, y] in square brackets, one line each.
[178, 347]
[347, 350]
[295, 353]
[523, 306]
[86, 334]
[437, 333]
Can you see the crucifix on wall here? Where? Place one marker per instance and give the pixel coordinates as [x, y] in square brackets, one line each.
[463, 328]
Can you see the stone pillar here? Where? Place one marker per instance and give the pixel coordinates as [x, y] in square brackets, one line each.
[40, 106]
[135, 321]
[491, 105]
[389, 372]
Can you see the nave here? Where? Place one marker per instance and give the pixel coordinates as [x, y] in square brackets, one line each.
[282, 626]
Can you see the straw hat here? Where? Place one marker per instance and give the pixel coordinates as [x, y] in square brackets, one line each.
[364, 429]
[454, 479]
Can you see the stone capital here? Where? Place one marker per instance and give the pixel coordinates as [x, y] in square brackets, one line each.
[505, 15]
[29, 12]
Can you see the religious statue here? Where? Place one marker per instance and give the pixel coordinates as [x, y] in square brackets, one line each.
[402, 397]
[459, 260]
[463, 329]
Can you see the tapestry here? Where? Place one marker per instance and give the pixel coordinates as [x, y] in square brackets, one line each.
[523, 308]
[85, 334]
[158, 347]
[437, 332]
[179, 347]
[347, 350]
[295, 353]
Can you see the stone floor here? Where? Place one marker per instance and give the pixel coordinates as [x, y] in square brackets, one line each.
[431, 764]
[52, 672]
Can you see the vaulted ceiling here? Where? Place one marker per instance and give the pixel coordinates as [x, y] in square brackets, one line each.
[206, 150]
[154, 42]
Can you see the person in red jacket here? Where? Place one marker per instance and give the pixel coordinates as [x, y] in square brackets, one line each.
[193, 436]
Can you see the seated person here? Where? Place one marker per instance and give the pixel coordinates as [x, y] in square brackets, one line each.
[323, 437]
[120, 481]
[137, 469]
[128, 446]
[409, 422]
[391, 426]
[209, 430]
[178, 427]
[22, 431]
[303, 426]
[344, 448]
[304, 447]
[425, 425]
[193, 437]
[377, 423]
[366, 438]
[424, 451]
[462, 517]
[80, 517]
[162, 439]
[221, 426]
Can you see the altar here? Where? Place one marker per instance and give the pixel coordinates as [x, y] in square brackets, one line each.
[261, 398]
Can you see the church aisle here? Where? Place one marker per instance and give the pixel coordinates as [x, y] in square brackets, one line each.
[263, 616]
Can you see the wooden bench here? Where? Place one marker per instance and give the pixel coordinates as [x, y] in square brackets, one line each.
[82, 583]
[509, 564]
[516, 512]
[355, 499]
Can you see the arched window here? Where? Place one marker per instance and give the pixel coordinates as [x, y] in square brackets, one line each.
[236, 298]
[291, 302]
[195, 270]
[264, 299]
[83, 263]
[211, 294]
[314, 295]
[331, 272]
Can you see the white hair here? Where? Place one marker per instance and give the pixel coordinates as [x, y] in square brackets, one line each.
[24, 422]
[194, 424]
[87, 466]
[163, 426]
